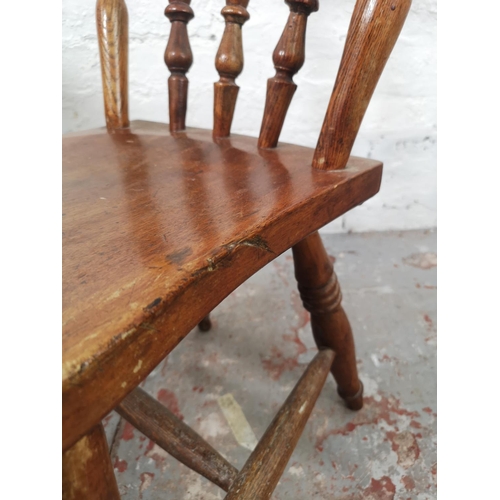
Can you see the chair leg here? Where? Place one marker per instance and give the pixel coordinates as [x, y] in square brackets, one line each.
[87, 470]
[205, 324]
[321, 296]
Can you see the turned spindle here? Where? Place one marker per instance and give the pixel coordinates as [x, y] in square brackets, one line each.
[288, 58]
[112, 35]
[229, 64]
[178, 58]
[320, 293]
[373, 31]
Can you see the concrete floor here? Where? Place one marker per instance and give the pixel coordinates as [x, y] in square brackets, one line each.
[258, 348]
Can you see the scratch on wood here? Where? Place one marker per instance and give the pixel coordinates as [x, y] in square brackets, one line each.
[222, 260]
[256, 241]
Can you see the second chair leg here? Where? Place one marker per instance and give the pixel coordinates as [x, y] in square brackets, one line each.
[321, 296]
[87, 472]
[205, 324]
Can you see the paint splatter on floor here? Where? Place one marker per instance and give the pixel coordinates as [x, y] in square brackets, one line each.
[237, 421]
[426, 260]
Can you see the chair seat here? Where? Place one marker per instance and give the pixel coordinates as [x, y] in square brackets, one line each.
[152, 224]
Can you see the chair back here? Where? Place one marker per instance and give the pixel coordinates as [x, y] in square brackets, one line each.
[374, 28]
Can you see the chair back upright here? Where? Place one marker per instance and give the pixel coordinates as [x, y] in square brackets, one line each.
[374, 28]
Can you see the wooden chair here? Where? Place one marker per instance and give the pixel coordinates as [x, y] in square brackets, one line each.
[162, 222]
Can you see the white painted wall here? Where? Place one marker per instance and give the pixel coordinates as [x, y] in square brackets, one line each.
[399, 127]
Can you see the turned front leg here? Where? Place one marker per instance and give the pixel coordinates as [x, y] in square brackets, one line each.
[87, 470]
[320, 293]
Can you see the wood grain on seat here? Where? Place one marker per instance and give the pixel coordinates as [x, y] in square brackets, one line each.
[158, 229]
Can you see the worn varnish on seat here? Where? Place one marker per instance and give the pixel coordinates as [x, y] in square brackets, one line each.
[148, 218]
[161, 222]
